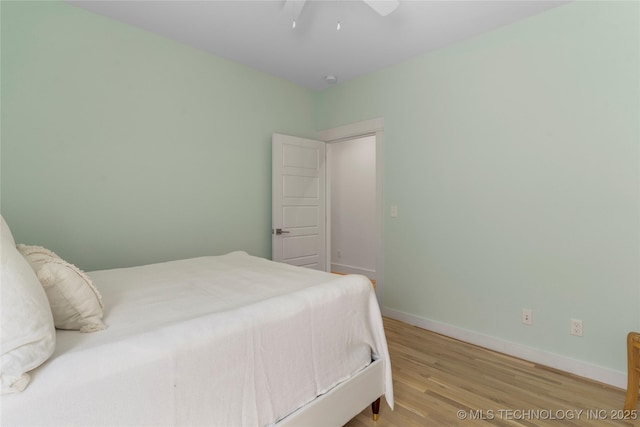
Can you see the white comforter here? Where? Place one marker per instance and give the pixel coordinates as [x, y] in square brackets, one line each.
[233, 340]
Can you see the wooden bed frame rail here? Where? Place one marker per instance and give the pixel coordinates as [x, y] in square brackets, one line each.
[633, 356]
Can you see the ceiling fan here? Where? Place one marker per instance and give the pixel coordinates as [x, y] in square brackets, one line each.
[382, 7]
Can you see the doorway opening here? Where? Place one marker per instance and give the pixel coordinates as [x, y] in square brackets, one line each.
[372, 128]
[352, 206]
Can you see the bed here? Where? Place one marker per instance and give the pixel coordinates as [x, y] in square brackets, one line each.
[231, 340]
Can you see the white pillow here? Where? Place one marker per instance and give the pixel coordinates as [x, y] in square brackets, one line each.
[26, 324]
[5, 232]
[75, 302]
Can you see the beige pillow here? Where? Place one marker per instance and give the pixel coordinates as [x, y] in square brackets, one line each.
[75, 302]
[36, 255]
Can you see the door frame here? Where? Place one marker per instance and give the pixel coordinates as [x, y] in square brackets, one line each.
[371, 127]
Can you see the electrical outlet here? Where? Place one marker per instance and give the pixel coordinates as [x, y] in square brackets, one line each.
[339, 254]
[527, 316]
[576, 327]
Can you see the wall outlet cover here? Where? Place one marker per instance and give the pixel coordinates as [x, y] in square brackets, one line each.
[576, 327]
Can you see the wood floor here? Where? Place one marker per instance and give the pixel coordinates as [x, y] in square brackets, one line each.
[439, 381]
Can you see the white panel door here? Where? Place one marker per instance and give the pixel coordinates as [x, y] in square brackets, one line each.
[298, 232]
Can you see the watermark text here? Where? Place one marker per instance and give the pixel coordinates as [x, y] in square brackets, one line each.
[547, 414]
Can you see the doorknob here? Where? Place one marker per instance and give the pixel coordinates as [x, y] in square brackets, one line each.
[280, 231]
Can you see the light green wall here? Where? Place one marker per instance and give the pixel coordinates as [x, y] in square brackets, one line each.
[120, 147]
[514, 160]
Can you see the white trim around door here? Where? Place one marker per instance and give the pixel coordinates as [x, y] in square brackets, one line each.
[351, 131]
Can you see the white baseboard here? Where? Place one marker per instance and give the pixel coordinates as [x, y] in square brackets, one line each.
[542, 357]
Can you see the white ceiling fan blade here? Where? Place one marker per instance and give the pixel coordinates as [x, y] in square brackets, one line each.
[297, 6]
[383, 7]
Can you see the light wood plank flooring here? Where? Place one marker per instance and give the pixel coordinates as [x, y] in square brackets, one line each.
[435, 377]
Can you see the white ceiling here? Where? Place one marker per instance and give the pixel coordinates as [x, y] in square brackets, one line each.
[259, 33]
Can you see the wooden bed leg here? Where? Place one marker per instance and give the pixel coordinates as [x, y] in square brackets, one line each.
[375, 407]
